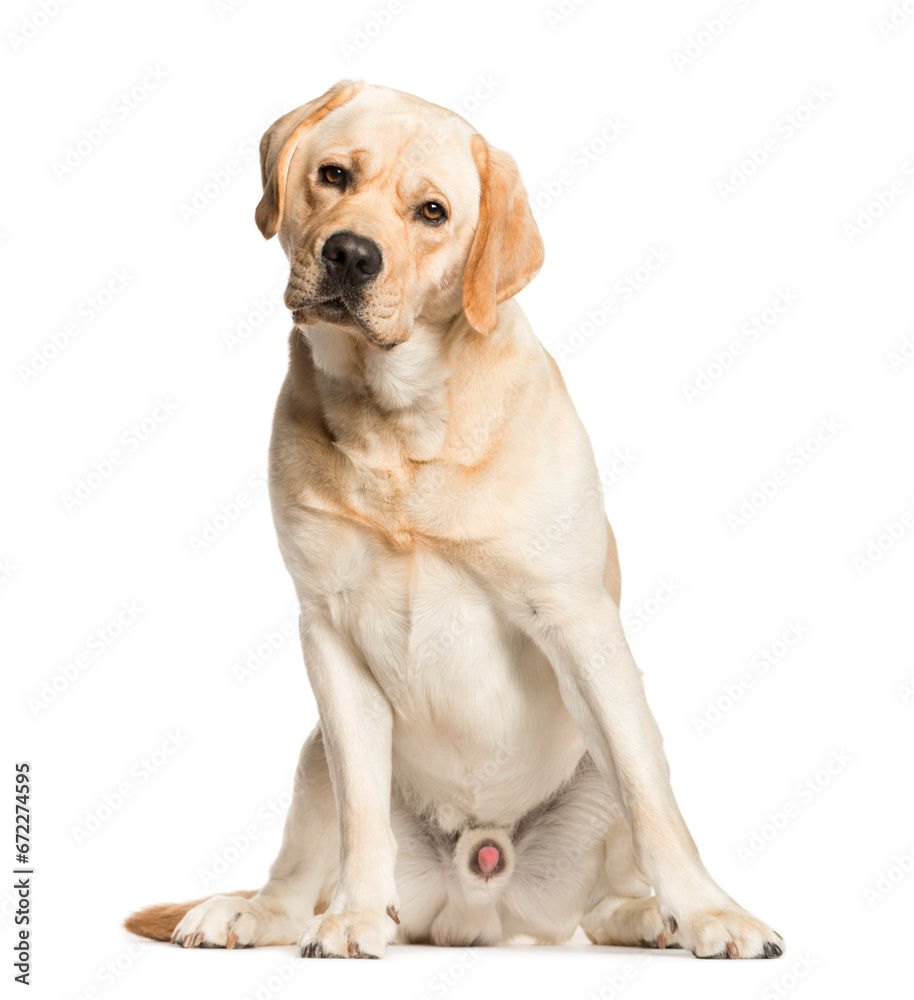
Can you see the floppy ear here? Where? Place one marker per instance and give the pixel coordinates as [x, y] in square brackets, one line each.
[278, 145]
[507, 249]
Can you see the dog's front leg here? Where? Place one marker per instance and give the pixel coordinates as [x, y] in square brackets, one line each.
[356, 722]
[601, 686]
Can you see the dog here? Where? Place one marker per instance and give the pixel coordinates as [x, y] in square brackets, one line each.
[485, 763]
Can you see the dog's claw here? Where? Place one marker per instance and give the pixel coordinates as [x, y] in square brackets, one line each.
[232, 941]
[392, 913]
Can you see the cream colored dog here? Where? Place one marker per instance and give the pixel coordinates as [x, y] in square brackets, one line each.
[486, 764]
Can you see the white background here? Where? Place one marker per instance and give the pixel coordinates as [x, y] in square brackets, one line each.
[166, 197]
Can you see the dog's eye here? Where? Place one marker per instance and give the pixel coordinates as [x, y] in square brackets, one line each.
[332, 174]
[431, 211]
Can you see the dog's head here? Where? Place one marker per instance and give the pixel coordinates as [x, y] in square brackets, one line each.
[392, 211]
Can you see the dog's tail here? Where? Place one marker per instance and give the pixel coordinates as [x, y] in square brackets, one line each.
[159, 922]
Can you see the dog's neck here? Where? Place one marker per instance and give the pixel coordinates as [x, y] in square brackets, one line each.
[381, 407]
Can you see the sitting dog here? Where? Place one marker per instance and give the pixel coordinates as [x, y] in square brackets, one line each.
[485, 764]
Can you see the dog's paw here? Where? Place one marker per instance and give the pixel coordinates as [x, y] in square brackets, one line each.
[220, 922]
[633, 923]
[350, 934]
[725, 932]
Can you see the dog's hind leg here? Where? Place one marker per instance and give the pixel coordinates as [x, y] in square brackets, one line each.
[301, 879]
[628, 914]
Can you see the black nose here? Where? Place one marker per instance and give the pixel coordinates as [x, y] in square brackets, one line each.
[351, 259]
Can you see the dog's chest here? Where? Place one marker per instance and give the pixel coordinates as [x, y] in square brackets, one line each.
[425, 627]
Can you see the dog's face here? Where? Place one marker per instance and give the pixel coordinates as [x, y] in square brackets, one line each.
[392, 211]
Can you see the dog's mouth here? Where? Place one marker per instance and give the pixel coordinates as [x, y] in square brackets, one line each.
[335, 310]
[332, 310]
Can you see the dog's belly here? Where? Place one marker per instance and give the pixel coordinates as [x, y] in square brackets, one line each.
[481, 733]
